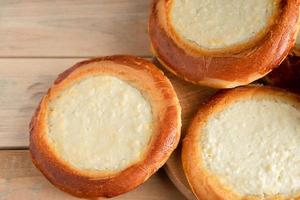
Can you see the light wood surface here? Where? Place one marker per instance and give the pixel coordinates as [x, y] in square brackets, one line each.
[20, 180]
[24, 81]
[22, 84]
[73, 28]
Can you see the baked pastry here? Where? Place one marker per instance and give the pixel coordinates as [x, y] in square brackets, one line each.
[244, 143]
[287, 75]
[220, 43]
[105, 126]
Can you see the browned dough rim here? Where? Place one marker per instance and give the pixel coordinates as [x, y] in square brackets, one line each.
[166, 113]
[204, 184]
[227, 69]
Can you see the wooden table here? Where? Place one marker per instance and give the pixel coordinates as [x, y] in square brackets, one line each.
[39, 39]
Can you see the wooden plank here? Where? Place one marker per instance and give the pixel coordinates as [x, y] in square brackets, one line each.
[175, 172]
[19, 179]
[24, 81]
[73, 28]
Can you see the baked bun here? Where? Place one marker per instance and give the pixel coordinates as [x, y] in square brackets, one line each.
[287, 75]
[105, 126]
[244, 143]
[219, 43]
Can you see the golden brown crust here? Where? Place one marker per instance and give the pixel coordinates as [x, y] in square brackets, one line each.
[223, 70]
[204, 184]
[166, 113]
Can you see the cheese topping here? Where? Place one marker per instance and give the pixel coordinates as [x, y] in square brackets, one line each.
[254, 147]
[100, 123]
[214, 24]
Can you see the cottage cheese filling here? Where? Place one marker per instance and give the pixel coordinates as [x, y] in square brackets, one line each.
[254, 146]
[214, 24]
[100, 123]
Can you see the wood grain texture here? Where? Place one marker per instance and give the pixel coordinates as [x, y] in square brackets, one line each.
[73, 28]
[22, 84]
[19, 179]
[41, 38]
[24, 81]
[175, 172]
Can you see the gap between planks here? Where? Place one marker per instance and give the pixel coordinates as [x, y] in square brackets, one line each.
[21, 90]
[73, 28]
[19, 179]
[11, 72]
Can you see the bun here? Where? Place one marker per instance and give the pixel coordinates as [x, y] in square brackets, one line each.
[204, 44]
[244, 143]
[105, 126]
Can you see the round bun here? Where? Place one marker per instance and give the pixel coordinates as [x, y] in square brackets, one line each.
[105, 126]
[239, 62]
[244, 143]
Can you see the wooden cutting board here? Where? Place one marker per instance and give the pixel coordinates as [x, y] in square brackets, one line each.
[191, 97]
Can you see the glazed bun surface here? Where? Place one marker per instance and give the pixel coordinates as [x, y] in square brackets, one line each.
[244, 144]
[222, 44]
[105, 126]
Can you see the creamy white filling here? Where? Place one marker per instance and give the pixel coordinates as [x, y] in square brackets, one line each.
[100, 123]
[254, 147]
[216, 24]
